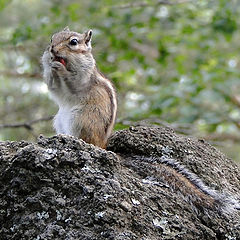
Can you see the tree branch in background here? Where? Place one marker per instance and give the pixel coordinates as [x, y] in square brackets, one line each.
[20, 75]
[147, 4]
[27, 125]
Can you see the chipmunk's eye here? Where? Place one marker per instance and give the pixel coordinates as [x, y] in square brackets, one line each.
[74, 41]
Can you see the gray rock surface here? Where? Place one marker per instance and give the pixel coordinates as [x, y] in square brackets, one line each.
[64, 188]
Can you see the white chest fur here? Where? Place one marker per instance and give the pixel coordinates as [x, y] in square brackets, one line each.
[63, 120]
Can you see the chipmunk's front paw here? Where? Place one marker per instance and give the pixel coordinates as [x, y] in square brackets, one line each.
[57, 66]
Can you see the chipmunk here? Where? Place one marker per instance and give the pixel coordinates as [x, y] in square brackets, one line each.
[86, 99]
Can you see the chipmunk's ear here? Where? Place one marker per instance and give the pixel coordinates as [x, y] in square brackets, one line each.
[88, 38]
[66, 29]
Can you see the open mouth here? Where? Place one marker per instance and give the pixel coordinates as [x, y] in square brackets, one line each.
[61, 60]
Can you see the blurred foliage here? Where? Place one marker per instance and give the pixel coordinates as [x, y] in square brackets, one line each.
[174, 62]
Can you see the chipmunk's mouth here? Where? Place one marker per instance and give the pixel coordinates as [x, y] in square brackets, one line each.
[61, 60]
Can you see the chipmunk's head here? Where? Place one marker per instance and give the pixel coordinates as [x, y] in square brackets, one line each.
[72, 49]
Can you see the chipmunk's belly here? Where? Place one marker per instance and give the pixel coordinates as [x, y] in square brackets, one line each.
[63, 121]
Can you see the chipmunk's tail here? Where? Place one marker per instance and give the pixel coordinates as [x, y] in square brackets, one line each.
[225, 203]
[193, 188]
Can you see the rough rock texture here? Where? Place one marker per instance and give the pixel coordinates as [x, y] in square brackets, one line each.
[63, 188]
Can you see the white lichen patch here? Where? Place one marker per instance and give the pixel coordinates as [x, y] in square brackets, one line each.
[150, 180]
[107, 196]
[59, 215]
[88, 169]
[167, 151]
[42, 215]
[163, 224]
[99, 215]
[67, 220]
[49, 153]
[13, 228]
[135, 202]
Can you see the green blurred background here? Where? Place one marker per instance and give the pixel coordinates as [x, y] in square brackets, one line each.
[174, 63]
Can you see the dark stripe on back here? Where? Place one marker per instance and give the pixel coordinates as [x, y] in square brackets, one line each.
[108, 90]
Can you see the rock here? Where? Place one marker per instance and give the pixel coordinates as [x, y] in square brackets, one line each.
[64, 188]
